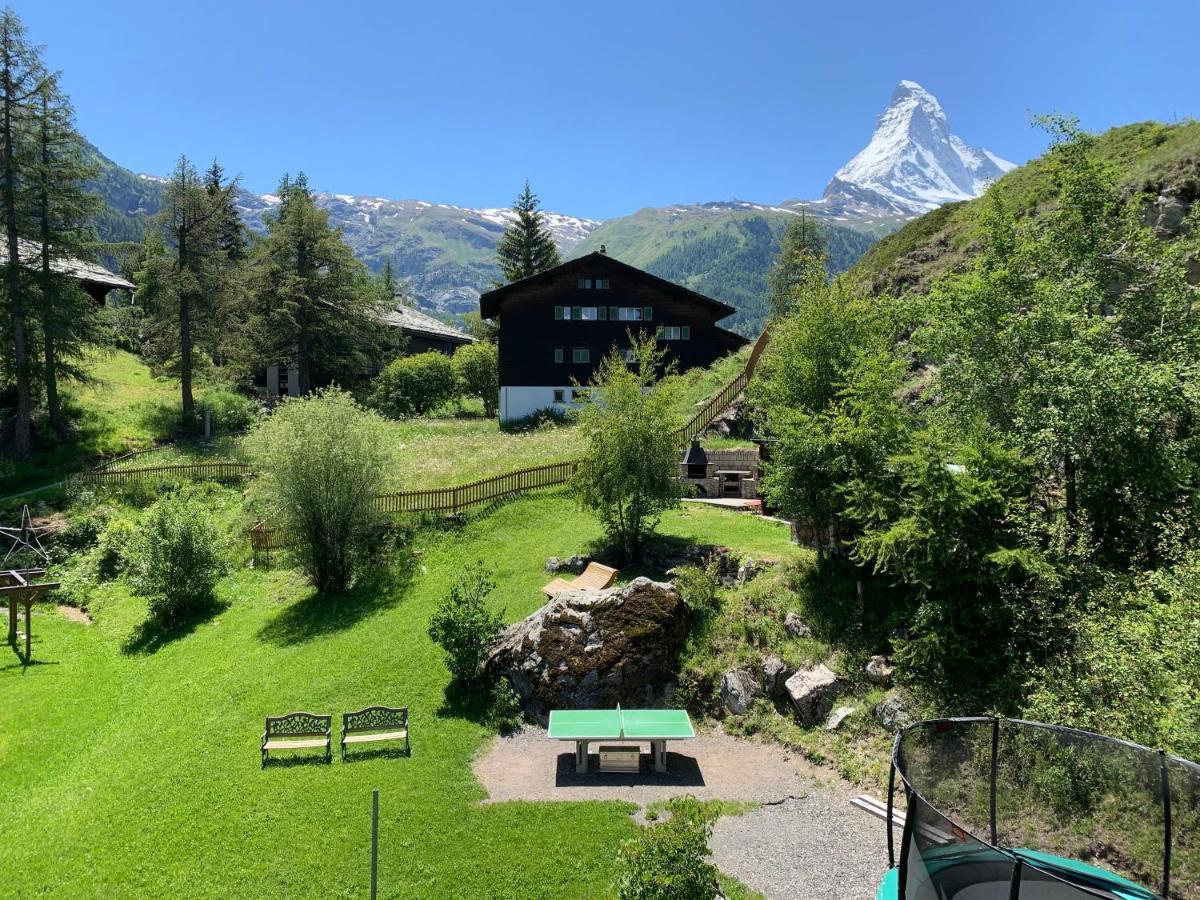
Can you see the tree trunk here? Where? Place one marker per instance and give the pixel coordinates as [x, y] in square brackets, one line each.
[22, 438]
[185, 329]
[1070, 477]
[53, 407]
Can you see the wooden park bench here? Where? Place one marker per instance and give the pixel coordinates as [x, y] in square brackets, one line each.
[375, 723]
[297, 731]
[594, 578]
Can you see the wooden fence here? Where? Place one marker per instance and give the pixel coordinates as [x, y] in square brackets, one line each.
[217, 470]
[486, 490]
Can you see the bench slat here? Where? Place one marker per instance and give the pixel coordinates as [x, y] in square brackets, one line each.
[295, 745]
[367, 737]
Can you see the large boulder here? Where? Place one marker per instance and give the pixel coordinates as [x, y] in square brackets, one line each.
[738, 691]
[813, 692]
[893, 713]
[775, 675]
[880, 670]
[589, 649]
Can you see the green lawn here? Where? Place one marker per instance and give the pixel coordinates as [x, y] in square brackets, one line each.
[136, 772]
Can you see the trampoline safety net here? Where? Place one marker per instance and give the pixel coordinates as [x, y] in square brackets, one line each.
[1001, 809]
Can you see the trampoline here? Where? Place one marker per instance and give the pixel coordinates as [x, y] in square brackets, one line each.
[1005, 809]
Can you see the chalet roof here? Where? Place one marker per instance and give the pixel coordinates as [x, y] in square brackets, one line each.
[489, 303]
[413, 321]
[30, 255]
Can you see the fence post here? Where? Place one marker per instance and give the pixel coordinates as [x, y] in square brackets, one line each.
[374, 842]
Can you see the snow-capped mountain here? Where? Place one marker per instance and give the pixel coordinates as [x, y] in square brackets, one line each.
[913, 162]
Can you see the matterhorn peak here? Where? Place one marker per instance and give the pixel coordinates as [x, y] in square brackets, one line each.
[914, 163]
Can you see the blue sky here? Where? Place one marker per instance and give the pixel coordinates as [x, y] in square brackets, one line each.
[606, 106]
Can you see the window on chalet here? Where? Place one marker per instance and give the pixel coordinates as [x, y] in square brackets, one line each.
[581, 355]
[560, 312]
[601, 284]
[588, 313]
[674, 332]
[588, 284]
[628, 354]
[631, 313]
[560, 395]
[585, 284]
[558, 354]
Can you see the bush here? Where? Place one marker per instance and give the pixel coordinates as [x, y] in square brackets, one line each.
[478, 369]
[668, 861]
[547, 417]
[699, 587]
[504, 707]
[414, 385]
[177, 556]
[323, 458]
[231, 413]
[464, 627]
[112, 549]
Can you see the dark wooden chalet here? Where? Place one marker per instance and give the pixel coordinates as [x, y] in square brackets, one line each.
[557, 325]
[95, 280]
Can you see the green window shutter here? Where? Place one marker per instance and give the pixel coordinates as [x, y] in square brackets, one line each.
[658, 332]
[577, 313]
[685, 333]
[648, 313]
[558, 312]
[614, 313]
[602, 313]
[558, 354]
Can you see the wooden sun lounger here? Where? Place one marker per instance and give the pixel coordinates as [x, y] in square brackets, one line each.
[594, 578]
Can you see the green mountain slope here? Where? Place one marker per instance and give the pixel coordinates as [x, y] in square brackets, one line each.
[724, 250]
[1161, 161]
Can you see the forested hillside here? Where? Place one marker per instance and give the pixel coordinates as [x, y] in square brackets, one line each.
[722, 250]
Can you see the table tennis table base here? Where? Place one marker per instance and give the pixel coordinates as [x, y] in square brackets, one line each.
[658, 749]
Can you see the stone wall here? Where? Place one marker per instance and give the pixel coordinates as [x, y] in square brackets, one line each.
[726, 460]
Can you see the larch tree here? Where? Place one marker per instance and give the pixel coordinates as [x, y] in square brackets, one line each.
[313, 302]
[62, 207]
[22, 77]
[527, 246]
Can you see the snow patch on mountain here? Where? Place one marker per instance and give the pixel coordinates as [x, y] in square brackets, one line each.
[913, 162]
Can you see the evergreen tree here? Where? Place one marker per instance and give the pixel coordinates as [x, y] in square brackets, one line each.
[184, 271]
[21, 79]
[232, 233]
[526, 247]
[388, 279]
[800, 265]
[62, 207]
[313, 302]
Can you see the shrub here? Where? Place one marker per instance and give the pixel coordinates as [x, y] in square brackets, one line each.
[504, 707]
[668, 861]
[699, 587]
[323, 459]
[113, 548]
[414, 385]
[478, 369]
[629, 473]
[231, 413]
[464, 627]
[177, 556]
[547, 417]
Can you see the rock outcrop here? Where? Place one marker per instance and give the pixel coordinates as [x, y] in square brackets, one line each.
[738, 691]
[588, 649]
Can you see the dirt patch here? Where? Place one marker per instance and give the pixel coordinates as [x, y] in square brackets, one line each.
[528, 766]
[75, 614]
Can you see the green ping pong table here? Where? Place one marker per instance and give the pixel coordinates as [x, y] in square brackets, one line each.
[584, 726]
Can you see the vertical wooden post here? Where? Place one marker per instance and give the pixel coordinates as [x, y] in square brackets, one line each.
[28, 631]
[374, 842]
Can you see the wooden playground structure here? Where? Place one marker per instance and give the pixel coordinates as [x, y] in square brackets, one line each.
[20, 586]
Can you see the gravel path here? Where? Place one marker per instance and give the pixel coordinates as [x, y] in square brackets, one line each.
[805, 842]
[817, 847]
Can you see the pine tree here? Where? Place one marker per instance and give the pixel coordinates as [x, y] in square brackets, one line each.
[62, 207]
[526, 247]
[800, 264]
[388, 279]
[21, 78]
[313, 301]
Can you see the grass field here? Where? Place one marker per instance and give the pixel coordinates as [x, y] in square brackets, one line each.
[131, 767]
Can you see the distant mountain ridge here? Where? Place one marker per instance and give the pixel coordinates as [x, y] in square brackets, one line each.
[445, 254]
